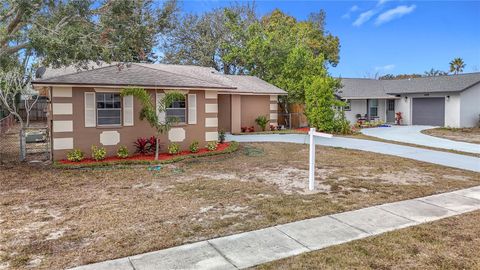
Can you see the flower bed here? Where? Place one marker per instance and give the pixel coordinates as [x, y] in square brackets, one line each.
[223, 148]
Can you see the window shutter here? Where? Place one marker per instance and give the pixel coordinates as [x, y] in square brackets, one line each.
[90, 120]
[128, 110]
[192, 109]
[158, 100]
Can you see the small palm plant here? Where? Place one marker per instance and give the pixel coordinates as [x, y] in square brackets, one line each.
[150, 114]
[457, 65]
[262, 122]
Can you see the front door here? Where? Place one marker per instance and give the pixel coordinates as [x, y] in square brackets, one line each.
[390, 110]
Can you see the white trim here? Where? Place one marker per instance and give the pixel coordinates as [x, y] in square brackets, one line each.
[192, 109]
[274, 116]
[62, 143]
[62, 91]
[176, 135]
[211, 95]
[274, 98]
[90, 110]
[62, 126]
[274, 107]
[128, 118]
[211, 122]
[211, 108]
[62, 108]
[211, 136]
[107, 90]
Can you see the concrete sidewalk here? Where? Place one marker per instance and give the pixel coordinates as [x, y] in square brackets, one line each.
[414, 135]
[256, 247]
[421, 154]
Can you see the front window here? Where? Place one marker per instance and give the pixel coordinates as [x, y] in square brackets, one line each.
[347, 106]
[373, 111]
[177, 110]
[109, 109]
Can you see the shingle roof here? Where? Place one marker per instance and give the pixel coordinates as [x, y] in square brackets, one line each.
[133, 75]
[448, 83]
[370, 88]
[160, 75]
[361, 88]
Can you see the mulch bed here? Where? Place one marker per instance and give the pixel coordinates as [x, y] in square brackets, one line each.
[151, 157]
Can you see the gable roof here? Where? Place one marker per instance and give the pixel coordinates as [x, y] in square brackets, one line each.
[159, 75]
[371, 88]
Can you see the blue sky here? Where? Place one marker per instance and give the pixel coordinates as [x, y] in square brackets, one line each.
[388, 36]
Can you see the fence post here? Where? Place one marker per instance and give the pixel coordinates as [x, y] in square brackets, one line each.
[311, 171]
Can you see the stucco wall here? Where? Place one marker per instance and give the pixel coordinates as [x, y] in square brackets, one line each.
[470, 106]
[453, 106]
[253, 106]
[224, 113]
[357, 106]
[84, 137]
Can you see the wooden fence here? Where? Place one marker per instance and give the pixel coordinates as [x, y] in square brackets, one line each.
[6, 123]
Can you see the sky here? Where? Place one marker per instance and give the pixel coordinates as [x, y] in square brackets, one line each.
[386, 36]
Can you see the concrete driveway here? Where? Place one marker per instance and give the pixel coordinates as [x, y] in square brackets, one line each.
[413, 135]
[443, 158]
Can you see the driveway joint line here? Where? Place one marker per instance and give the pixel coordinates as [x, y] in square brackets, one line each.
[461, 195]
[223, 255]
[278, 229]
[131, 263]
[356, 228]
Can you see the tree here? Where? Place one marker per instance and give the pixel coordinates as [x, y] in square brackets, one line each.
[434, 72]
[321, 103]
[149, 113]
[399, 76]
[457, 65]
[61, 32]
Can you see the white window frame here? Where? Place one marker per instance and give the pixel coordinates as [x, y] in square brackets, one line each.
[109, 109]
[348, 107]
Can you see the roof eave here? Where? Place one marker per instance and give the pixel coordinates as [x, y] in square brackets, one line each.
[41, 83]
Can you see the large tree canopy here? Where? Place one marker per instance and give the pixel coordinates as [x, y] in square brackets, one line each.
[61, 32]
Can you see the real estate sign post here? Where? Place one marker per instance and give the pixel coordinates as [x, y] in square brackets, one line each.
[311, 174]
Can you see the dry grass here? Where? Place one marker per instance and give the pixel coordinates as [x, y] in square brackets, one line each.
[471, 135]
[52, 218]
[446, 244]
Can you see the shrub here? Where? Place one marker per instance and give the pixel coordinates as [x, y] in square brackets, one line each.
[122, 152]
[194, 147]
[152, 143]
[244, 129]
[262, 122]
[251, 129]
[98, 153]
[272, 127]
[212, 146]
[173, 149]
[75, 155]
[141, 145]
[221, 136]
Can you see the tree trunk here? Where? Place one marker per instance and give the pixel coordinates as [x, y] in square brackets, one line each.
[23, 151]
[157, 147]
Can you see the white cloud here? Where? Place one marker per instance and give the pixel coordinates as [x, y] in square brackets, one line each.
[364, 17]
[350, 11]
[394, 13]
[381, 2]
[385, 68]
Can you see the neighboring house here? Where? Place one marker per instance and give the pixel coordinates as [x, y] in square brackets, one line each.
[86, 108]
[452, 101]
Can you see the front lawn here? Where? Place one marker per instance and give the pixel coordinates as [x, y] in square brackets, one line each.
[451, 243]
[471, 135]
[56, 218]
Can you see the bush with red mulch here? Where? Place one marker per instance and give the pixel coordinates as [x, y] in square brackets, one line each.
[149, 158]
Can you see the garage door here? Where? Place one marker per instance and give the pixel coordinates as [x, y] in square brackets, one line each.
[428, 111]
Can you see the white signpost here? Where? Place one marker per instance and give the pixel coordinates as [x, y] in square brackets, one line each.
[311, 173]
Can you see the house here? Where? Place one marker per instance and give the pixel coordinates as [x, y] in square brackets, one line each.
[86, 108]
[451, 100]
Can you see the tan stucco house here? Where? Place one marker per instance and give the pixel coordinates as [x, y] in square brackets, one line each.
[86, 109]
